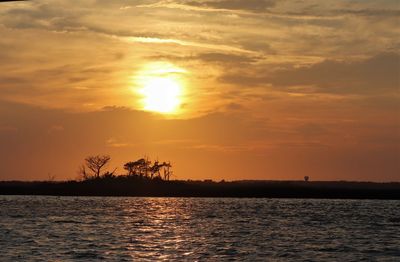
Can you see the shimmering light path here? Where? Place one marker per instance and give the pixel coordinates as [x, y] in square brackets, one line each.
[148, 229]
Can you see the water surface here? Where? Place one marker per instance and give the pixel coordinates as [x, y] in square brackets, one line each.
[37, 228]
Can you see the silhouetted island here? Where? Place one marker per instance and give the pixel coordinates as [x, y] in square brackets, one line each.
[152, 179]
[135, 186]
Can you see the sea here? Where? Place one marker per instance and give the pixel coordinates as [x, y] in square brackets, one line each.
[46, 228]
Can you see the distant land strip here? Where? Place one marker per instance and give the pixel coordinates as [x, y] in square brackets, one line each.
[207, 188]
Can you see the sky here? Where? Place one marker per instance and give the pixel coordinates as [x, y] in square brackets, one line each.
[224, 89]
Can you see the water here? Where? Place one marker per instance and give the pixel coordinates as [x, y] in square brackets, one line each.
[197, 229]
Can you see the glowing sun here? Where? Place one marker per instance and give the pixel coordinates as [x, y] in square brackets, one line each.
[161, 88]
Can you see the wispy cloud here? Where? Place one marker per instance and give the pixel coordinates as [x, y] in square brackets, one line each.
[376, 74]
[153, 40]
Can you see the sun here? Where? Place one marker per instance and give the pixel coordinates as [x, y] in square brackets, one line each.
[161, 87]
[161, 94]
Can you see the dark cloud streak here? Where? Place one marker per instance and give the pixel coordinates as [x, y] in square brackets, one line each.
[373, 75]
[246, 5]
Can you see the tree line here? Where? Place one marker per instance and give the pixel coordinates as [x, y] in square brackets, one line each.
[93, 167]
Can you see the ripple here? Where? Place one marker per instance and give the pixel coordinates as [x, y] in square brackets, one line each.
[193, 229]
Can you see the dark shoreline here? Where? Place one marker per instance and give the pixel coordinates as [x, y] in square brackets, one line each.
[177, 188]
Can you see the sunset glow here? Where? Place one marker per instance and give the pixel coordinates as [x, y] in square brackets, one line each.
[224, 89]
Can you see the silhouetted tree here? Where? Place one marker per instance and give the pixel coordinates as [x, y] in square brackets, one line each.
[82, 172]
[154, 169]
[131, 168]
[109, 174]
[145, 168]
[167, 170]
[140, 167]
[96, 163]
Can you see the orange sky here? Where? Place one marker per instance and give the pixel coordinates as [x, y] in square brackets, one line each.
[238, 89]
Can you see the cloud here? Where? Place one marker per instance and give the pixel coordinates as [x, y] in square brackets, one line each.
[113, 142]
[382, 13]
[329, 14]
[246, 5]
[225, 58]
[311, 129]
[55, 129]
[210, 57]
[234, 106]
[376, 74]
